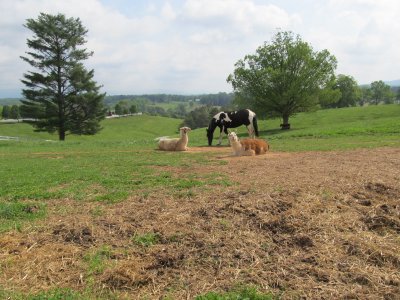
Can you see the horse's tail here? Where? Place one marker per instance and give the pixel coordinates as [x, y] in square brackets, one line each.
[255, 126]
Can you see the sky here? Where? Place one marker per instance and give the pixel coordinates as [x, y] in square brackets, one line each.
[191, 46]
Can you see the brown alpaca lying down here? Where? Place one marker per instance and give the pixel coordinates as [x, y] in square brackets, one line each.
[237, 146]
[247, 147]
[257, 145]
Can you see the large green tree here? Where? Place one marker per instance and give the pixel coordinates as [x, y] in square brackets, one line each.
[366, 95]
[60, 93]
[350, 92]
[283, 77]
[329, 96]
[380, 91]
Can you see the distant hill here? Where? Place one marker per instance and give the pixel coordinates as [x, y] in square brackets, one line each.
[393, 83]
[9, 101]
[219, 99]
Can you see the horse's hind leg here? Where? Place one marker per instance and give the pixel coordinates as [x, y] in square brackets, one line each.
[251, 131]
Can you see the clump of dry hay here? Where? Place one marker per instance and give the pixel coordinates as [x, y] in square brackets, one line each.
[321, 236]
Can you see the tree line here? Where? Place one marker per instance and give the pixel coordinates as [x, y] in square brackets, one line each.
[10, 112]
[218, 99]
[346, 92]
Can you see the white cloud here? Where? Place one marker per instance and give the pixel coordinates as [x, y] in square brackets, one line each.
[241, 16]
[190, 46]
[361, 34]
[168, 12]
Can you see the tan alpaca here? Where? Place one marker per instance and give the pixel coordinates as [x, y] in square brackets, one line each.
[237, 146]
[176, 144]
[257, 145]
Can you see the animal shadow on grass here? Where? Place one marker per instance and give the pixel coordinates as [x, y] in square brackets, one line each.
[272, 132]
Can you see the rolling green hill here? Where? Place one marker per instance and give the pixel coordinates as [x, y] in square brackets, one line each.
[353, 127]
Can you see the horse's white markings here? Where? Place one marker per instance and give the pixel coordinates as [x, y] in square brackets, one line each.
[216, 117]
[250, 127]
[225, 119]
[228, 121]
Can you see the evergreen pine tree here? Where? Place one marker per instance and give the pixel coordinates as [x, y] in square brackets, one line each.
[61, 94]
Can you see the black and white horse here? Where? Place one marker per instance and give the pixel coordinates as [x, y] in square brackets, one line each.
[232, 119]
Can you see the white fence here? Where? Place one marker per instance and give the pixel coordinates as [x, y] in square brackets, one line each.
[8, 138]
[122, 116]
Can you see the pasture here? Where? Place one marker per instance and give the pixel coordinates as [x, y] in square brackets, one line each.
[110, 217]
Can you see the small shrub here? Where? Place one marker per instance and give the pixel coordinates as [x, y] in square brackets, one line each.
[18, 210]
[96, 260]
[147, 239]
[12, 214]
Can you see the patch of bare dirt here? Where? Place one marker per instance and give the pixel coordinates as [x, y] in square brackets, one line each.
[312, 225]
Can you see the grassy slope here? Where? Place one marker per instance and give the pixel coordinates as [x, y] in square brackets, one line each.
[321, 130]
[356, 127]
[138, 128]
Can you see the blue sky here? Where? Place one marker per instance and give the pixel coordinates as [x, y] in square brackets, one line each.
[191, 46]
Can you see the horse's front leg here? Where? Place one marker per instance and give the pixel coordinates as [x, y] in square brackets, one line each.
[220, 136]
[223, 130]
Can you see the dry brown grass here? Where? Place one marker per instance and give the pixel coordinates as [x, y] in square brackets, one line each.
[315, 225]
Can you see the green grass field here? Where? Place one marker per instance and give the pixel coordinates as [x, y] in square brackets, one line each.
[117, 161]
[114, 163]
